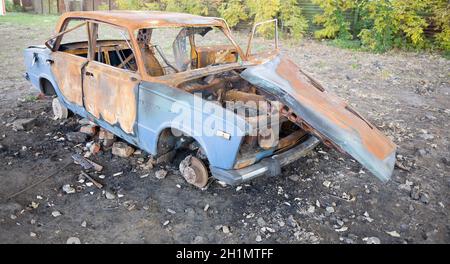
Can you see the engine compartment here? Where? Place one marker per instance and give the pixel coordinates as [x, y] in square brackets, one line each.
[272, 129]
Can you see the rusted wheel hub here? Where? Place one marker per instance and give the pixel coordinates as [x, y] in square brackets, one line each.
[59, 110]
[194, 171]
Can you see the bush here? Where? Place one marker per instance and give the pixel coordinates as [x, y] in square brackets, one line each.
[11, 7]
[394, 23]
[197, 7]
[287, 11]
[233, 12]
[292, 19]
[129, 4]
[262, 10]
[333, 19]
[441, 17]
[135, 5]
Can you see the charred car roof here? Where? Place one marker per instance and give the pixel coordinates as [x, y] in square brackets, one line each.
[145, 19]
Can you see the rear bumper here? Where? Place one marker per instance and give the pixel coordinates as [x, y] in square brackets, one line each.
[270, 166]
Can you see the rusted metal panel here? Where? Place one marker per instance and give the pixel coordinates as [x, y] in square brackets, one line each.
[325, 115]
[145, 19]
[208, 55]
[110, 94]
[67, 70]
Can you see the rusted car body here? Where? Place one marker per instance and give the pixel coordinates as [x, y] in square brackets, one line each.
[122, 86]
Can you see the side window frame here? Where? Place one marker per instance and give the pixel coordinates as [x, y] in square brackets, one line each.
[56, 43]
[92, 27]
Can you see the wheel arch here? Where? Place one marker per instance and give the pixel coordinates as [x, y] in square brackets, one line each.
[164, 132]
[46, 86]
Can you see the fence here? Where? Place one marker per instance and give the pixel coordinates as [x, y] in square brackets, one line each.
[61, 6]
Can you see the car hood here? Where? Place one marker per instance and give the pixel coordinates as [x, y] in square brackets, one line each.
[325, 115]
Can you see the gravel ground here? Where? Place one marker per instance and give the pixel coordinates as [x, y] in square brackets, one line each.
[323, 198]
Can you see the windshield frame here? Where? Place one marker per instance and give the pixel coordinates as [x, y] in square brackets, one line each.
[223, 28]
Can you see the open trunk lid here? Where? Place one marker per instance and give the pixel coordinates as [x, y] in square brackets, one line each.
[327, 116]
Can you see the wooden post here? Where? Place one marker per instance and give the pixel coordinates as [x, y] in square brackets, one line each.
[2, 8]
[109, 5]
[93, 5]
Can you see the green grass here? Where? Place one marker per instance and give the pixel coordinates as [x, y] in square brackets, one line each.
[27, 19]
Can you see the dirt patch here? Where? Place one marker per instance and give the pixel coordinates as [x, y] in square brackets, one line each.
[323, 198]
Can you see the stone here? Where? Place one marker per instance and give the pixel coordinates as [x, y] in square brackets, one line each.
[292, 222]
[329, 209]
[404, 187]
[56, 213]
[161, 174]
[226, 229]
[342, 229]
[261, 222]
[372, 240]
[415, 193]
[76, 137]
[430, 117]
[421, 152]
[294, 178]
[89, 130]
[109, 195]
[151, 162]
[105, 134]
[23, 124]
[106, 137]
[68, 189]
[424, 198]
[199, 240]
[326, 184]
[258, 238]
[95, 148]
[108, 142]
[393, 233]
[85, 121]
[73, 240]
[122, 149]
[426, 136]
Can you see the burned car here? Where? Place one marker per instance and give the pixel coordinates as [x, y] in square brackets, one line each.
[169, 81]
